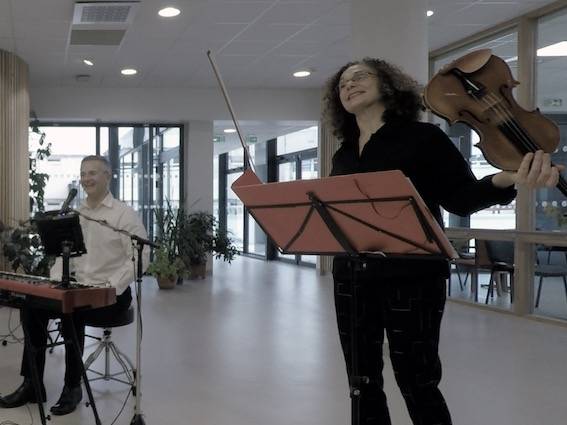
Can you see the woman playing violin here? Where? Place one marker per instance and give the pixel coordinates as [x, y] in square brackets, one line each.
[374, 109]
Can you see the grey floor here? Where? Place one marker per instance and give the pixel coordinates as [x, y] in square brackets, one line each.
[257, 345]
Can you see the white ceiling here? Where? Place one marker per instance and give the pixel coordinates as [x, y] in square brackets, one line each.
[257, 43]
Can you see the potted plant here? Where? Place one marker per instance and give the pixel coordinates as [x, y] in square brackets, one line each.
[164, 269]
[166, 265]
[198, 237]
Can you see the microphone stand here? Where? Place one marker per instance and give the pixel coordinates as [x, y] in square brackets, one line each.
[138, 244]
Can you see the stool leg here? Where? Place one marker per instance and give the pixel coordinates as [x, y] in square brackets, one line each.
[120, 357]
[107, 360]
[93, 356]
[110, 348]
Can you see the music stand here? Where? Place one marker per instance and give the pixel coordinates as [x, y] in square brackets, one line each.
[359, 216]
[61, 235]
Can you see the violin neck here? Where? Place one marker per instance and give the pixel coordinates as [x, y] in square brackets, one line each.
[519, 137]
[524, 143]
[562, 186]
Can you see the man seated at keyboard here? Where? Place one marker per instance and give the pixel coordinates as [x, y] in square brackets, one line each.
[108, 259]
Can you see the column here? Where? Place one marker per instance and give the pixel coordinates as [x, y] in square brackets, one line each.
[14, 122]
[395, 31]
[198, 160]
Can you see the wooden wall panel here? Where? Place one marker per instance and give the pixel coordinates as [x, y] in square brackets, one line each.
[14, 122]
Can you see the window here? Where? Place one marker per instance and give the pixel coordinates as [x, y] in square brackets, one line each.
[145, 161]
[496, 217]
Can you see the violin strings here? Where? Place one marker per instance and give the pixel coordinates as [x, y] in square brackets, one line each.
[513, 125]
[510, 122]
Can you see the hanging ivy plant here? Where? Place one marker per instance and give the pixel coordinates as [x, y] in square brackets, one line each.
[38, 180]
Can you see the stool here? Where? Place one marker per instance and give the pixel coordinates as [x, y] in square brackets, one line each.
[109, 348]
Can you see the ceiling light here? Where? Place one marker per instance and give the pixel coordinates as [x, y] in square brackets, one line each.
[88, 62]
[302, 74]
[557, 49]
[430, 13]
[169, 12]
[128, 71]
[230, 130]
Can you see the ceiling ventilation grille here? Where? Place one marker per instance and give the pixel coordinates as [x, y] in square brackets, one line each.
[93, 13]
[96, 14]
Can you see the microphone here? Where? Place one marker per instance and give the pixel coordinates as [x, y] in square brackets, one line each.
[65, 207]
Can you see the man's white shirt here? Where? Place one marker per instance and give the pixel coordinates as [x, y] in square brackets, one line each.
[108, 260]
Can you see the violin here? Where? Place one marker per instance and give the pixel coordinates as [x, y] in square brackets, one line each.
[476, 89]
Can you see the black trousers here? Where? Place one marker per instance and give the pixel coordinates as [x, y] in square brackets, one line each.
[410, 311]
[36, 319]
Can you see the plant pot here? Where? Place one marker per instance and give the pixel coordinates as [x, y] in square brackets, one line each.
[166, 282]
[198, 271]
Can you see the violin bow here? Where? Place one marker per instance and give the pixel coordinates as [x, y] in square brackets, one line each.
[248, 162]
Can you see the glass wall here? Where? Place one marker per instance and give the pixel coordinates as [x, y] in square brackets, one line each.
[145, 161]
[257, 240]
[234, 213]
[489, 269]
[469, 282]
[551, 204]
[504, 45]
[297, 160]
[289, 157]
[68, 147]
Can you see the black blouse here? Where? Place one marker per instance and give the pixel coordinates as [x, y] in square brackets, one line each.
[443, 178]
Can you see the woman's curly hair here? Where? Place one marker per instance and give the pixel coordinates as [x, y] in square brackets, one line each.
[399, 93]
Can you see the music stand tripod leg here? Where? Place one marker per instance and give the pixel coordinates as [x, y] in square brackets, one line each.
[138, 418]
[355, 381]
[77, 349]
[31, 354]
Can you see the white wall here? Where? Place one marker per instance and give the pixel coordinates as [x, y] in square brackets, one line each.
[172, 105]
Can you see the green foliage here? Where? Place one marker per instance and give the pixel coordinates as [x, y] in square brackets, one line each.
[557, 213]
[23, 249]
[167, 223]
[21, 245]
[199, 236]
[163, 266]
[38, 180]
[189, 239]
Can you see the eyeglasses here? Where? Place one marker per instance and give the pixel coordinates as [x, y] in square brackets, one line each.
[357, 77]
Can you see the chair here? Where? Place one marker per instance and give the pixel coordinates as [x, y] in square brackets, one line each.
[465, 263]
[498, 258]
[110, 348]
[550, 270]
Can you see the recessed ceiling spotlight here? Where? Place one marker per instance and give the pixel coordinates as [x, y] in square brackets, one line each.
[169, 12]
[302, 74]
[129, 71]
[88, 62]
[230, 130]
[430, 13]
